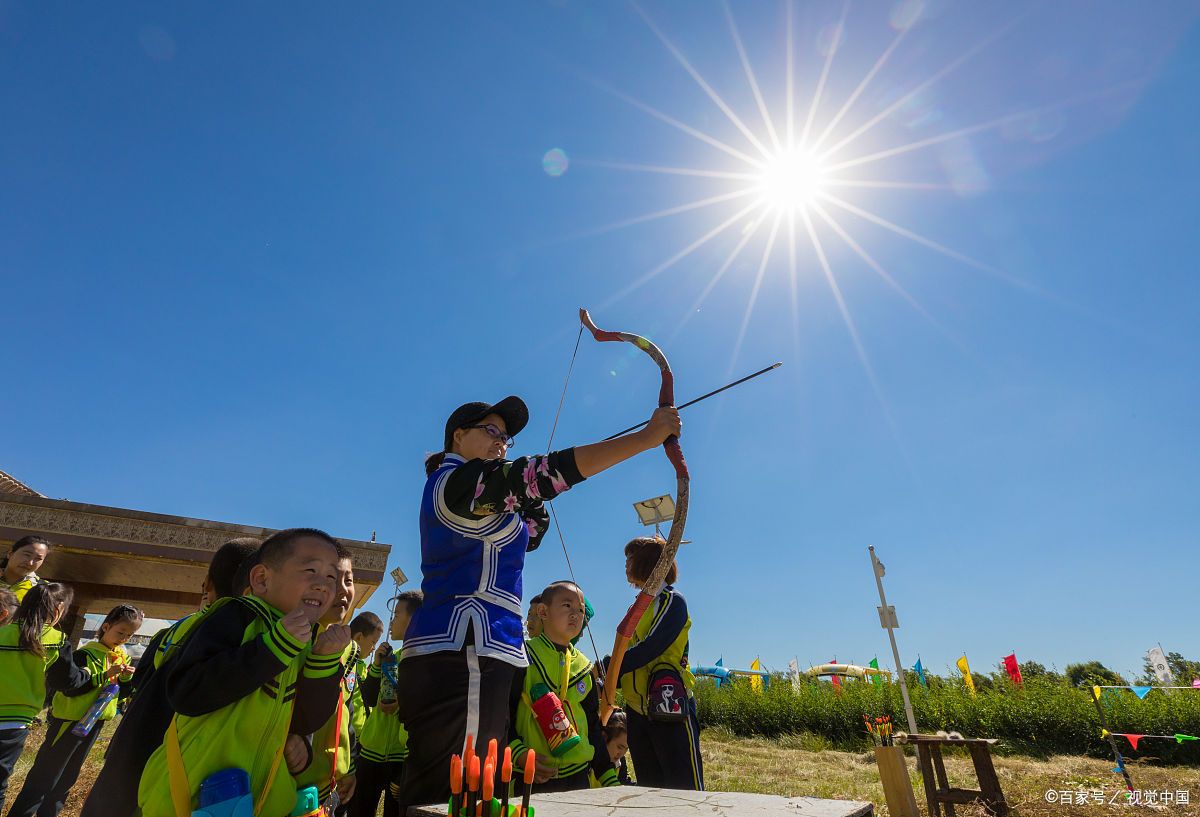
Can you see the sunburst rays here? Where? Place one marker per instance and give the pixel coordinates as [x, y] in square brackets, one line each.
[804, 170]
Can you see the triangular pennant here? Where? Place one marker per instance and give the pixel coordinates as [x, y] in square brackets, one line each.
[1104, 733]
[1182, 738]
[720, 662]
[1196, 683]
[1096, 693]
[1141, 692]
[1133, 739]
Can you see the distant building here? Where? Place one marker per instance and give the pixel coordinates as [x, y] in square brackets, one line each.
[154, 561]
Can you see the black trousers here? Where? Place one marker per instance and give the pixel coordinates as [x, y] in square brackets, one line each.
[373, 781]
[55, 770]
[442, 697]
[12, 742]
[666, 755]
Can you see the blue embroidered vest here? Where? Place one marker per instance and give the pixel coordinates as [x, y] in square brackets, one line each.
[471, 571]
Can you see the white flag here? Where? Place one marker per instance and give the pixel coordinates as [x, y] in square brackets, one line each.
[1161, 669]
[794, 669]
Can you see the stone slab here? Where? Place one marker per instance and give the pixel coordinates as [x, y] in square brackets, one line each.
[628, 801]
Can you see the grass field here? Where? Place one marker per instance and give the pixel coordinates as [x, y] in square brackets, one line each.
[805, 765]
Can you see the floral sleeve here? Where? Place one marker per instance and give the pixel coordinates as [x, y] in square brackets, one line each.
[481, 488]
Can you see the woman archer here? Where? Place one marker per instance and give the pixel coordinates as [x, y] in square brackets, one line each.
[480, 514]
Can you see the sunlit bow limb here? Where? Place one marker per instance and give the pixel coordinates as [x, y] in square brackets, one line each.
[654, 584]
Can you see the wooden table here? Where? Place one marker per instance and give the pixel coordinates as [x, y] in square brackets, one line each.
[938, 791]
[639, 801]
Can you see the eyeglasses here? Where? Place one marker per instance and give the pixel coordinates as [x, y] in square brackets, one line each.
[495, 433]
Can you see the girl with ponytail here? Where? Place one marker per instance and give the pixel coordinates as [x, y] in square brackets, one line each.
[32, 655]
[66, 746]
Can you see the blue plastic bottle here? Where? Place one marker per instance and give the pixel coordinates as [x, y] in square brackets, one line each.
[387, 685]
[308, 803]
[226, 794]
[88, 720]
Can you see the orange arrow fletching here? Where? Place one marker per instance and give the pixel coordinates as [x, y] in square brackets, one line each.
[530, 767]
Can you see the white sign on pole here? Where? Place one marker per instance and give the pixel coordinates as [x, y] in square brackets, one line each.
[398, 577]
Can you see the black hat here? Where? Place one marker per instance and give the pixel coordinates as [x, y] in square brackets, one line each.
[512, 409]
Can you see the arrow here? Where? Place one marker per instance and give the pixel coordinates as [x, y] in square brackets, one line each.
[702, 397]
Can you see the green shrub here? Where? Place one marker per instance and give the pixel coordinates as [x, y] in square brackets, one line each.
[1042, 717]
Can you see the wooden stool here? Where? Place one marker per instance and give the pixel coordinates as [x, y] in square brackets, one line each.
[938, 791]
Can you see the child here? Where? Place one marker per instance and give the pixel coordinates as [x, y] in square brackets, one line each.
[555, 664]
[533, 624]
[383, 744]
[18, 570]
[616, 738]
[58, 762]
[365, 631]
[32, 655]
[249, 674]
[8, 605]
[141, 730]
[664, 733]
[324, 759]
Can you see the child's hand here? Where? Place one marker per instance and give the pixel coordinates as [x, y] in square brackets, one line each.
[297, 624]
[381, 652]
[333, 640]
[295, 754]
[345, 788]
[114, 672]
[544, 771]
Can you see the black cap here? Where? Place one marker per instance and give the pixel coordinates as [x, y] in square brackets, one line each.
[511, 409]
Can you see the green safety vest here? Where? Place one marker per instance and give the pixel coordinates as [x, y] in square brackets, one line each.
[569, 674]
[384, 738]
[247, 734]
[636, 684]
[73, 708]
[23, 674]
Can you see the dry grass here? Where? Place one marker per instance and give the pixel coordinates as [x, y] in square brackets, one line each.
[805, 765]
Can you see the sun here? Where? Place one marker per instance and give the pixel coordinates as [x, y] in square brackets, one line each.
[792, 179]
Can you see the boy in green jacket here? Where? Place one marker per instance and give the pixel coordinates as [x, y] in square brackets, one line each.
[250, 674]
[324, 759]
[383, 743]
[556, 665]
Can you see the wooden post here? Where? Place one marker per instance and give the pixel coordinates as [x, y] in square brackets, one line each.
[897, 788]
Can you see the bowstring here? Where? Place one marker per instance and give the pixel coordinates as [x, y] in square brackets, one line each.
[550, 503]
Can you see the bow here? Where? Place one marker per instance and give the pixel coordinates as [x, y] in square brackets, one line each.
[654, 584]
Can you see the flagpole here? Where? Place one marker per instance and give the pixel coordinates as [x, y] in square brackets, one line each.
[889, 621]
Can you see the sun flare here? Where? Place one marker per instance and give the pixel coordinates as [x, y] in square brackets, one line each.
[791, 179]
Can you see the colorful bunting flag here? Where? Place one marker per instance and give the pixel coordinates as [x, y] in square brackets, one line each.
[1141, 692]
[756, 681]
[877, 680]
[837, 682]
[920, 671]
[720, 662]
[965, 669]
[1010, 666]
[1134, 738]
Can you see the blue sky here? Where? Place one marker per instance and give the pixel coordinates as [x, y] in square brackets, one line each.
[252, 258]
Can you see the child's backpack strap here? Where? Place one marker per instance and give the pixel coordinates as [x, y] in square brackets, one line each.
[181, 790]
